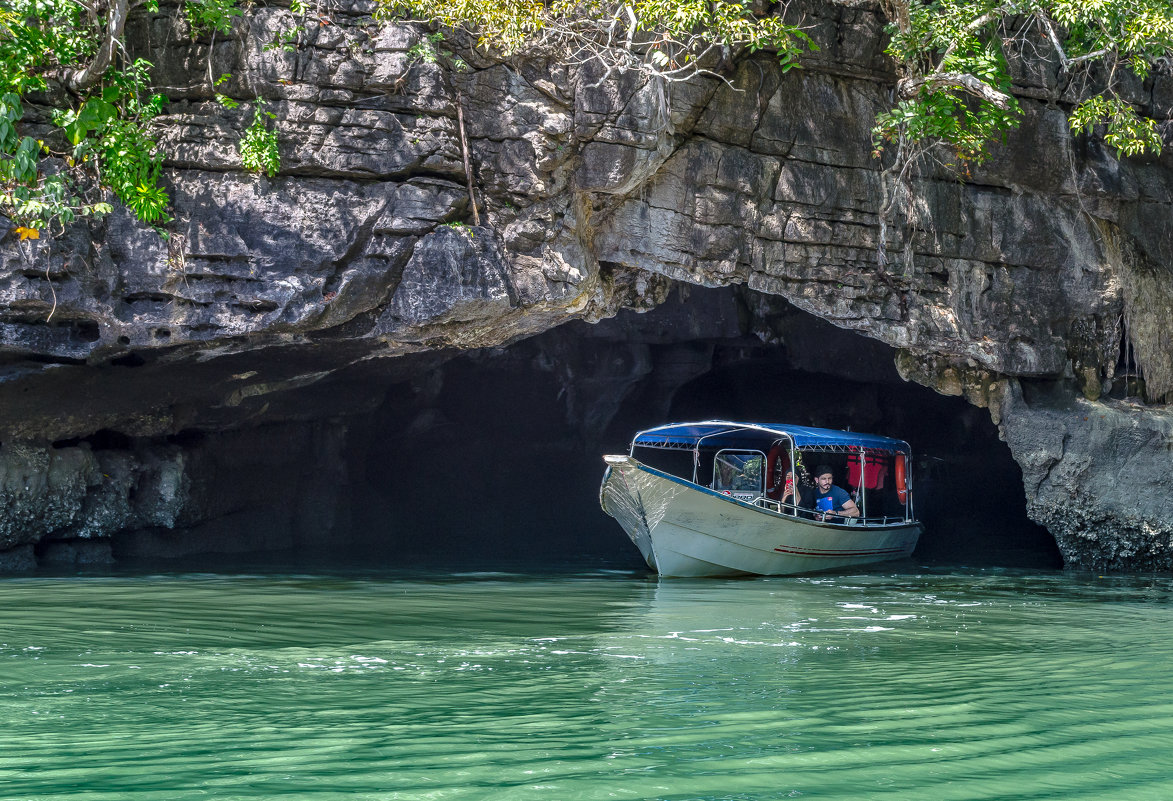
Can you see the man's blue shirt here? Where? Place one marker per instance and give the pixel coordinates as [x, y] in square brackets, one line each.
[810, 497]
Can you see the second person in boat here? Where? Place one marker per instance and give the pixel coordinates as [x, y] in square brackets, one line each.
[825, 499]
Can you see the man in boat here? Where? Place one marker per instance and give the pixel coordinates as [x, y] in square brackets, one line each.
[828, 500]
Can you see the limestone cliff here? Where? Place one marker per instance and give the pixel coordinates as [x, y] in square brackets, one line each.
[1038, 286]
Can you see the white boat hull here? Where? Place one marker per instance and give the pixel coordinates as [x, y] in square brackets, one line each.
[685, 530]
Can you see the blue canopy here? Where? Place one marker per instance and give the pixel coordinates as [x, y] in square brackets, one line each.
[760, 436]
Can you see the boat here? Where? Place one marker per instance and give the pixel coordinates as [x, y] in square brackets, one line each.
[708, 499]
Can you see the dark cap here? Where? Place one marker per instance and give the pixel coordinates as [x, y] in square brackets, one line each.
[823, 469]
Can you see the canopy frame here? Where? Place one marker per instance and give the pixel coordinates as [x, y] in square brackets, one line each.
[689, 436]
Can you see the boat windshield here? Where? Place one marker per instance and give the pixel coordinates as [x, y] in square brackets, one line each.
[739, 471]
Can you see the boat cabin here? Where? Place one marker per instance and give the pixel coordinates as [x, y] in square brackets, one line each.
[750, 463]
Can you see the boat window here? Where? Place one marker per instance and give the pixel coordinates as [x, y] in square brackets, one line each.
[673, 462]
[738, 471]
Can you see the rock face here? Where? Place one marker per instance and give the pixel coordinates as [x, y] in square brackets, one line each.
[1031, 282]
[1093, 473]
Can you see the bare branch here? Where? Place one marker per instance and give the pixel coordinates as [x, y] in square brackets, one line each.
[908, 88]
[1054, 37]
[79, 82]
[1091, 56]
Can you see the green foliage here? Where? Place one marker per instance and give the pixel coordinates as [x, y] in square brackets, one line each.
[285, 41]
[428, 51]
[668, 38]
[205, 16]
[425, 50]
[37, 35]
[112, 130]
[106, 134]
[103, 139]
[461, 228]
[132, 169]
[32, 199]
[966, 125]
[1125, 131]
[259, 148]
[954, 58]
[225, 100]
[22, 167]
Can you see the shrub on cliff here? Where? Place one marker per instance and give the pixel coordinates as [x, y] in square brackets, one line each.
[70, 57]
[662, 39]
[101, 106]
[956, 59]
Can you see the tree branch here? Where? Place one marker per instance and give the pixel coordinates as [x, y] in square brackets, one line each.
[1054, 37]
[633, 22]
[989, 16]
[1091, 56]
[907, 88]
[79, 82]
[476, 218]
[897, 11]
[1067, 62]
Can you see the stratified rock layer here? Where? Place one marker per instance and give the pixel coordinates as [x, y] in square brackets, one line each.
[593, 196]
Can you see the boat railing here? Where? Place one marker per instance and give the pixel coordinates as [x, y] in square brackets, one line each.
[791, 509]
[769, 503]
[781, 508]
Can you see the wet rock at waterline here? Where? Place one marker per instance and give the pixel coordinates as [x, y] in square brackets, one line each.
[1097, 476]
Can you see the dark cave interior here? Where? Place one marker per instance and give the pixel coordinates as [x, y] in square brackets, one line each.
[492, 459]
[497, 457]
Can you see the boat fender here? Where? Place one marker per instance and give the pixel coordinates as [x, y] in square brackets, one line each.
[777, 464]
[901, 478]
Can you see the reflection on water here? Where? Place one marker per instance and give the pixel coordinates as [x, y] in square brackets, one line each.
[988, 685]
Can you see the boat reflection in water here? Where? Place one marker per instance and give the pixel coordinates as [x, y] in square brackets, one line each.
[709, 499]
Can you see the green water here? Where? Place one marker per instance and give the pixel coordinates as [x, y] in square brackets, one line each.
[604, 686]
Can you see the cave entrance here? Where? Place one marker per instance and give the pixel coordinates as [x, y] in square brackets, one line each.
[493, 458]
[514, 436]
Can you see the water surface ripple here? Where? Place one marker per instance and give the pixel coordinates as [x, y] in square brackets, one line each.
[987, 685]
